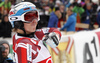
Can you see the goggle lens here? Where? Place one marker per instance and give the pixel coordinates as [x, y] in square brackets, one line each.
[30, 16]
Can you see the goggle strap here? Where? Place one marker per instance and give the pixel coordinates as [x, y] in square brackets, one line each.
[15, 18]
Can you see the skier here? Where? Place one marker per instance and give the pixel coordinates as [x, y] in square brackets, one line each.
[29, 43]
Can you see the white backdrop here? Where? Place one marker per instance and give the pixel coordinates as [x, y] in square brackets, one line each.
[87, 47]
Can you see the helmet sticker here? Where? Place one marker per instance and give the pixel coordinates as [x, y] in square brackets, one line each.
[11, 13]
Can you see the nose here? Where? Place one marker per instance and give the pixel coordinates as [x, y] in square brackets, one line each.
[34, 20]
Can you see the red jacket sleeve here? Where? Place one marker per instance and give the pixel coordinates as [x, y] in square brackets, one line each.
[41, 32]
[56, 31]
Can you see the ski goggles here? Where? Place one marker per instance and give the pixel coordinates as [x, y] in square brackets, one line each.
[30, 16]
[26, 17]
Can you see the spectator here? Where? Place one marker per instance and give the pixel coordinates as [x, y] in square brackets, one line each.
[37, 3]
[51, 3]
[86, 2]
[78, 9]
[45, 7]
[94, 5]
[75, 3]
[71, 21]
[85, 17]
[89, 16]
[98, 15]
[62, 10]
[63, 17]
[4, 55]
[12, 2]
[6, 4]
[54, 17]
[58, 3]
[5, 27]
[82, 3]
[98, 19]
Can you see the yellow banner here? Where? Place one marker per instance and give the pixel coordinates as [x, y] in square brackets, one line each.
[61, 53]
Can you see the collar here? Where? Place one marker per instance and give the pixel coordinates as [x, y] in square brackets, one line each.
[31, 35]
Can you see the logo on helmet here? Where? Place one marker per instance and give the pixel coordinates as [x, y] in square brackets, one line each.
[33, 7]
[11, 13]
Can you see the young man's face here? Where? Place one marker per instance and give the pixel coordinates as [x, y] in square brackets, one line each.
[89, 7]
[6, 19]
[32, 18]
[30, 27]
[6, 52]
[69, 12]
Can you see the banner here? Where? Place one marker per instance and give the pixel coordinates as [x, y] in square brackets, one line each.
[87, 47]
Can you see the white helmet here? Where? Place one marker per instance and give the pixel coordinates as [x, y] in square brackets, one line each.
[19, 11]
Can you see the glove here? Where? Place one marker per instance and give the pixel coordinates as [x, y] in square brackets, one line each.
[52, 39]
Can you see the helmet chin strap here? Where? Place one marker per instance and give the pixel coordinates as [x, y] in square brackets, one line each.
[23, 30]
[20, 25]
[26, 35]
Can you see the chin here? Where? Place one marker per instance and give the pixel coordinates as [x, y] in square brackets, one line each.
[34, 30]
[30, 31]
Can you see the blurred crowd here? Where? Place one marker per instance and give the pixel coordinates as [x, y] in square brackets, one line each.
[61, 14]
[5, 26]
